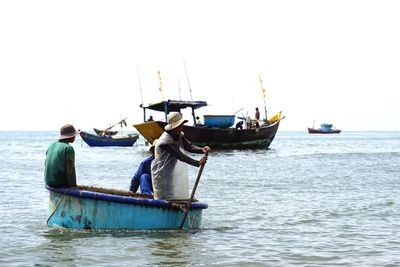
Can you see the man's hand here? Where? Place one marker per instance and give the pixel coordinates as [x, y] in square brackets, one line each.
[206, 149]
[203, 160]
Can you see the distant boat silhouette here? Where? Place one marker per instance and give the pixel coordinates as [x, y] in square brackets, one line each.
[325, 128]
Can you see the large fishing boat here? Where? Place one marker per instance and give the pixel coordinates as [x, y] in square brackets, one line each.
[215, 136]
[98, 208]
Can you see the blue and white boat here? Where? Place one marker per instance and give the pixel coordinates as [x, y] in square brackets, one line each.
[110, 140]
[325, 128]
[97, 208]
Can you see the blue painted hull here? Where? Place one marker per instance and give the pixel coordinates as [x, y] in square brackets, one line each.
[95, 140]
[83, 209]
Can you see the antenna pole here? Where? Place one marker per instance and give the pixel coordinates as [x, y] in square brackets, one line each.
[187, 77]
[179, 85]
[140, 85]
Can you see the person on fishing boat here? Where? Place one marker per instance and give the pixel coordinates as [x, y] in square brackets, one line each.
[257, 115]
[106, 133]
[198, 121]
[60, 160]
[239, 125]
[142, 176]
[169, 167]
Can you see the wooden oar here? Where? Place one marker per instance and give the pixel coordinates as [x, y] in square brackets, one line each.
[192, 195]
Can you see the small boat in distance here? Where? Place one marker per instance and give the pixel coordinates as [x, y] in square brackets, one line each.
[108, 140]
[95, 208]
[325, 128]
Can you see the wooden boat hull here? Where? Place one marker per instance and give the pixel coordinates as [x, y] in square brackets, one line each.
[83, 209]
[318, 131]
[95, 140]
[229, 138]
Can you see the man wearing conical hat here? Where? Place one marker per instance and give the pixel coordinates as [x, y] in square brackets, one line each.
[169, 167]
[60, 160]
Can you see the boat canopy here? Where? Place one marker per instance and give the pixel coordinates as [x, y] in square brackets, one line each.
[173, 105]
[327, 126]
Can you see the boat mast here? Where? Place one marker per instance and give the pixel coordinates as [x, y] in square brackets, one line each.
[264, 93]
[120, 123]
[141, 94]
[144, 113]
[166, 110]
[194, 117]
[265, 110]
[161, 83]
[140, 85]
[187, 77]
[179, 86]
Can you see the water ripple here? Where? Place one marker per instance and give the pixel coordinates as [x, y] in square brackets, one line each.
[307, 201]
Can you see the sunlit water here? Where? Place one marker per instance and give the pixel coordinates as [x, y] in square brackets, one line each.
[309, 200]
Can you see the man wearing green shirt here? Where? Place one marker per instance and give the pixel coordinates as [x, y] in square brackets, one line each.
[60, 160]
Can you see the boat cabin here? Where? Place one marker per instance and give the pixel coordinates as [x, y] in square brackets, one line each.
[173, 105]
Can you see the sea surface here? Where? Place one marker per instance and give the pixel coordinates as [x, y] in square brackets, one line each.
[309, 200]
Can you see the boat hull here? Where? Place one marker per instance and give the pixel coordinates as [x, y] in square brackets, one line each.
[95, 140]
[81, 209]
[318, 131]
[229, 138]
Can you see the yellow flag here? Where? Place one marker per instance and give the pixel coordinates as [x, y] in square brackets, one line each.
[161, 84]
[262, 88]
[275, 118]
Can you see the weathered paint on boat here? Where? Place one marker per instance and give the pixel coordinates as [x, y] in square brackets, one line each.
[220, 121]
[82, 209]
[95, 140]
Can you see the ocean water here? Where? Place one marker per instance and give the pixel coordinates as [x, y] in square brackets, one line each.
[309, 200]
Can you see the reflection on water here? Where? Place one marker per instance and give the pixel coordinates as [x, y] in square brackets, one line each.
[171, 249]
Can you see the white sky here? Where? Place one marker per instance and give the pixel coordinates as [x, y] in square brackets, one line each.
[77, 61]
